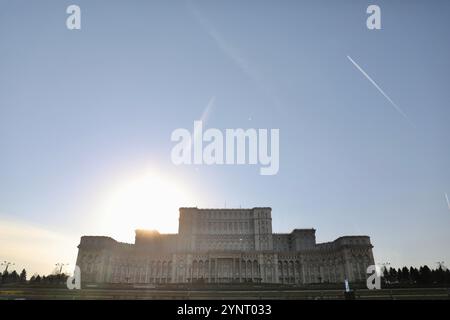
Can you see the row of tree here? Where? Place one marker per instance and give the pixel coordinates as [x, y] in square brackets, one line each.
[413, 276]
[15, 278]
[59, 278]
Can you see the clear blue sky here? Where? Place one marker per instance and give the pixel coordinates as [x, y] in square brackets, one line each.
[79, 107]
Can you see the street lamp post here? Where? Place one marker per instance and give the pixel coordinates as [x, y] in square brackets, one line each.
[385, 266]
[60, 266]
[441, 265]
[7, 264]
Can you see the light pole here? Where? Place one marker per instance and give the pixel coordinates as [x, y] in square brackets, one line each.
[60, 266]
[385, 266]
[441, 265]
[7, 264]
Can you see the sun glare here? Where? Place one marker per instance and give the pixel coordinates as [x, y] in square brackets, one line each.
[149, 200]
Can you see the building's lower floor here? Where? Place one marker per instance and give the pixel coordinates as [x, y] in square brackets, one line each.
[227, 267]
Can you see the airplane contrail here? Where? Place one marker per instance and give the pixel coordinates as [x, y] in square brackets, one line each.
[203, 119]
[399, 110]
[207, 110]
[448, 202]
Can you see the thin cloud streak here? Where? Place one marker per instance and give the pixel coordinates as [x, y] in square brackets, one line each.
[232, 52]
[399, 110]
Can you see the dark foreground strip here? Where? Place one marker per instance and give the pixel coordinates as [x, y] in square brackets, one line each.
[222, 309]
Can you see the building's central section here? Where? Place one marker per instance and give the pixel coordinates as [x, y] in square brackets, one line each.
[226, 229]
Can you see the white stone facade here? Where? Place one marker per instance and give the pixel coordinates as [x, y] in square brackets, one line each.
[224, 246]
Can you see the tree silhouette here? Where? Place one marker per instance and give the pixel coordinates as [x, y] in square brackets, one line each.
[23, 276]
[424, 275]
[399, 275]
[414, 275]
[13, 277]
[405, 275]
[393, 275]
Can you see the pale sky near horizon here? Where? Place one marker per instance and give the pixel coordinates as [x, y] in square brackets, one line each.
[86, 118]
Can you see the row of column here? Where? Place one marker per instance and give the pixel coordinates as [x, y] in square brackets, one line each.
[221, 270]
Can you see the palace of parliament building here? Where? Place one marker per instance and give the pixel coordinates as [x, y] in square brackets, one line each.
[224, 246]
